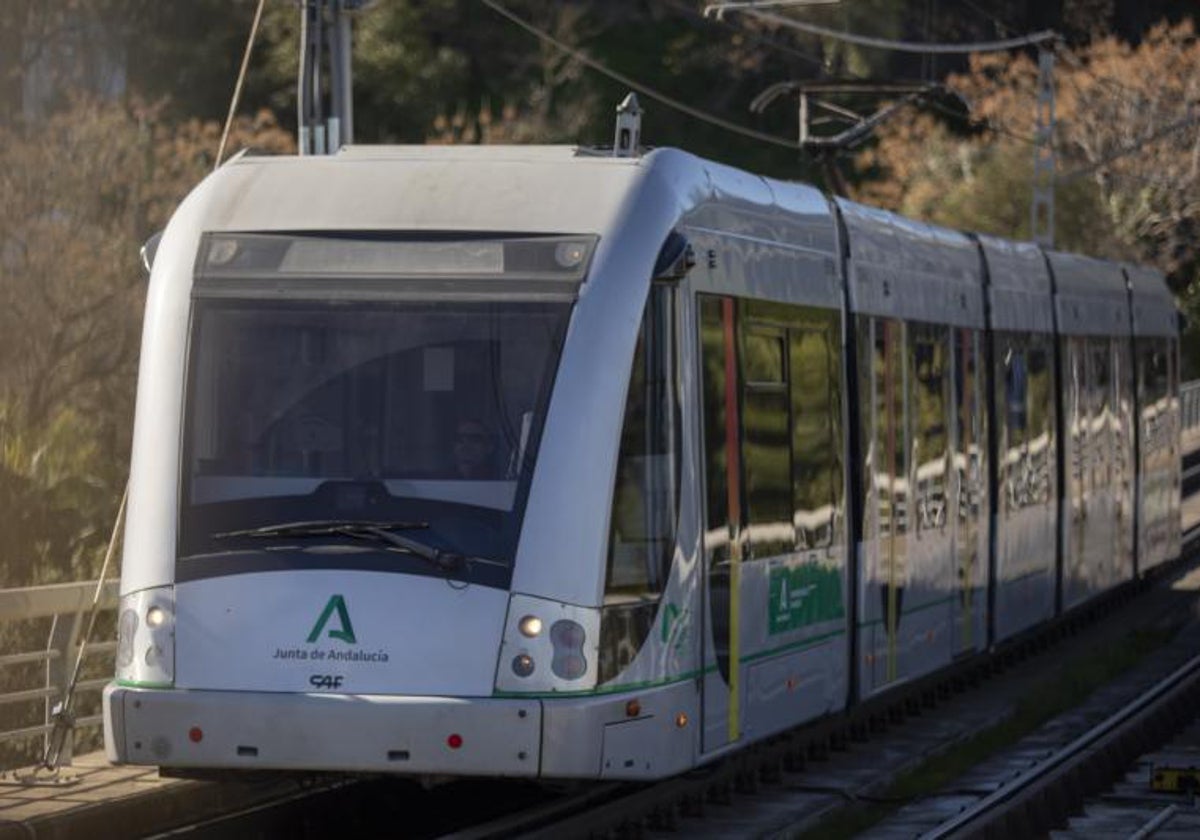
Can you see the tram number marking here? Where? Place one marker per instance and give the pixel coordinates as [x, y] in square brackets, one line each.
[326, 680]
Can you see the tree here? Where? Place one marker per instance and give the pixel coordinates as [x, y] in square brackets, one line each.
[1127, 147]
[83, 190]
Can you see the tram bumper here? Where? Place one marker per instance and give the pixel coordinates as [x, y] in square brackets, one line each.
[326, 732]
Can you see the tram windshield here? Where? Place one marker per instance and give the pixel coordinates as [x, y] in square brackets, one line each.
[365, 411]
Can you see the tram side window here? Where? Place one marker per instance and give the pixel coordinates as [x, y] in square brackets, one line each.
[816, 453]
[716, 457]
[1102, 414]
[645, 503]
[766, 445]
[930, 347]
[1039, 399]
[645, 497]
[967, 420]
[1076, 422]
[1016, 388]
[890, 412]
[1040, 402]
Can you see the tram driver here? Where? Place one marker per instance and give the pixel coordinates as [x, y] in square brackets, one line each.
[474, 451]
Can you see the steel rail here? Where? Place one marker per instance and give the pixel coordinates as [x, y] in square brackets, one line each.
[980, 818]
[234, 823]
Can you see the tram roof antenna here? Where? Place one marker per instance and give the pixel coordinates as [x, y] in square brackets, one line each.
[628, 136]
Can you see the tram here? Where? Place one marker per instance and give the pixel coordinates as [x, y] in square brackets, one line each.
[533, 461]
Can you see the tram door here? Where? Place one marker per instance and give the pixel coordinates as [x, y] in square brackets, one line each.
[774, 534]
[723, 539]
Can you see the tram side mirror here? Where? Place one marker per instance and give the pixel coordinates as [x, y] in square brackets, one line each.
[149, 249]
[675, 259]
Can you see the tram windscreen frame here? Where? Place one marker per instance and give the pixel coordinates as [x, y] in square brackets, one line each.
[417, 410]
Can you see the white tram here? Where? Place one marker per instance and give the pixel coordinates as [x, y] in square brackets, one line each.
[532, 462]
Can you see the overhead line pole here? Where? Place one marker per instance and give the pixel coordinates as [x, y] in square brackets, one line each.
[1041, 211]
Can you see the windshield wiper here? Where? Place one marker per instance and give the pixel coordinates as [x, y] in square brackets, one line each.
[447, 561]
[317, 527]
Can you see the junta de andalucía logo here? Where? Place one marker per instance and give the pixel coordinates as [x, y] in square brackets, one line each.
[344, 630]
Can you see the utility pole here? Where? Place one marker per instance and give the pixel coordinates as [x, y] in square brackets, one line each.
[324, 103]
[1041, 221]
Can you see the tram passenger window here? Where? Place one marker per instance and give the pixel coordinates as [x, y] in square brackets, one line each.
[929, 347]
[890, 415]
[1101, 413]
[642, 530]
[1016, 389]
[716, 457]
[763, 358]
[766, 447]
[816, 407]
[1040, 400]
[1076, 424]
[1039, 397]
[716, 349]
[641, 540]
[968, 424]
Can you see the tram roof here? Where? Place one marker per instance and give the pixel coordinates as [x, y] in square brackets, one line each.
[903, 268]
[1019, 286]
[1090, 294]
[1154, 309]
[517, 189]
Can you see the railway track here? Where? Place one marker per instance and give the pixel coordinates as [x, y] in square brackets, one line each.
[1134, 808]
[1038, 798]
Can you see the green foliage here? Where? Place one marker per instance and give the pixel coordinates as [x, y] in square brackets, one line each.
[56, 486]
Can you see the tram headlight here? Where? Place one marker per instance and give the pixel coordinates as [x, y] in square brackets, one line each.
[522, 665]
[530, 626]
[146, 638]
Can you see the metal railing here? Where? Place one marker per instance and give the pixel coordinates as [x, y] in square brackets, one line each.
[1189, 411]
[67, 606]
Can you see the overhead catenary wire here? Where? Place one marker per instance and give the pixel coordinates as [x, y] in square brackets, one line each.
[241, 79]
[658, 96]
[757, 38]
[987, 125]
[1031, 40]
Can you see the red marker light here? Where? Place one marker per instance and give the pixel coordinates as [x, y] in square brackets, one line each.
[454, 741]
[195, 734]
